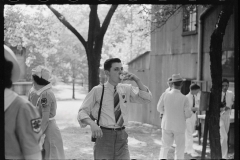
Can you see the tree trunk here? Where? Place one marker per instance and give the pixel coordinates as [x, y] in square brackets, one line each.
[73, 82]
[216, 75]
[73, 77]
[93, 69]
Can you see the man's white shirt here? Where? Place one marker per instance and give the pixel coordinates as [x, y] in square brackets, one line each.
[190, 99]
[229, 98]
[127, 94]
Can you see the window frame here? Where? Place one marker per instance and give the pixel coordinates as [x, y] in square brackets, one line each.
[186, 33]
[231, 75]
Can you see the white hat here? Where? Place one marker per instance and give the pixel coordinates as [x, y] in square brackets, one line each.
[169, 80]
[10, 56]
[176, 78]
[42, 72]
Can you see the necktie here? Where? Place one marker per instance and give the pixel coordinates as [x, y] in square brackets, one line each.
[224, 99]
[117, 109]
[194, 103]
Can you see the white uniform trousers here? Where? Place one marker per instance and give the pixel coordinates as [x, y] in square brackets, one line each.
[167, 141]
[224, 128]
[190, 128]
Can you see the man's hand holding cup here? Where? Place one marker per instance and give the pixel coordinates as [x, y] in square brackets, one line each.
[128, 76]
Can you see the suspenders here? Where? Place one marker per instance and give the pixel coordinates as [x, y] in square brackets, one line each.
[99, 112]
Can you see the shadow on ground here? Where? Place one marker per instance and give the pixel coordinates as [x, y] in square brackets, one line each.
[144, 142]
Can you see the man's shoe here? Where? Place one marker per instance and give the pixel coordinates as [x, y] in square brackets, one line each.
[195, 134]
[230, 156]
[194, 154]
[174, 145]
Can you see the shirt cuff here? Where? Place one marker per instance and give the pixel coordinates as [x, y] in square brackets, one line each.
[80, 117]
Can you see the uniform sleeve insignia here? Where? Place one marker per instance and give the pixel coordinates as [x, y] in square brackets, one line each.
[44, 102]
[36, 124]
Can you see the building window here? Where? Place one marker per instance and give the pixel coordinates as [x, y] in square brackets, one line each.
[189, 18]
[228, 65]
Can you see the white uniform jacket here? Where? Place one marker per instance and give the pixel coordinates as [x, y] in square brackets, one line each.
[176, 110]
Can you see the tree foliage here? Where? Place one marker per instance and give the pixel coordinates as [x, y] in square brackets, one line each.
[159, 14]
[127, 35]
[45, 40]
[93, 44]
[26, 26]
[51, 43]
[70, 60]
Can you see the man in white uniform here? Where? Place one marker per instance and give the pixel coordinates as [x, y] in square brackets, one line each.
[227, 103]
[175, 107]
[169, 84]
[190, 122]
[167, 90]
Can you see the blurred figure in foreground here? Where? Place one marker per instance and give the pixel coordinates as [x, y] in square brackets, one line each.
[22, 120]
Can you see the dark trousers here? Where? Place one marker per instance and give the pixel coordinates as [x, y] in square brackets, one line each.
[113, 145]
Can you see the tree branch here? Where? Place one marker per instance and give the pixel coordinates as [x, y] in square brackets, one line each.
[68, 25]
[107, 20]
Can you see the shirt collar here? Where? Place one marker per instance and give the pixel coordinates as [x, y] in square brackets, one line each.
[9, 97]
[168, 89]
[175, 90]
[109, 85]
[38, 92]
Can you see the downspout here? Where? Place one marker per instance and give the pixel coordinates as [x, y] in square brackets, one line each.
[200, 44]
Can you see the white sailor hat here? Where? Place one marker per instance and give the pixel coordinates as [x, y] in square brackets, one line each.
[42, 72]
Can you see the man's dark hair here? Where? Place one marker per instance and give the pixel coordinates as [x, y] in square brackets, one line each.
[194, 86]
[225, 80]
[40, 81]
[178, 84]
[108, 63]
[8, 66]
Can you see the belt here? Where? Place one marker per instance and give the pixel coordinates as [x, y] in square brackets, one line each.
[113, 129]
[50, 119]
